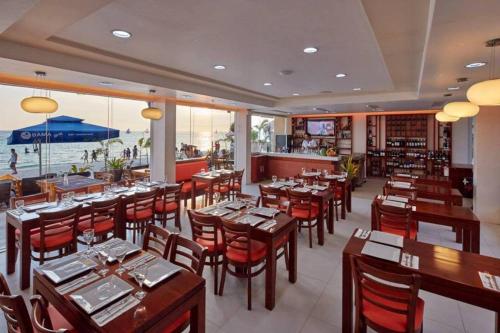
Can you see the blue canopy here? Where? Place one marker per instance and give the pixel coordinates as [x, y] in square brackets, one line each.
[62, 129]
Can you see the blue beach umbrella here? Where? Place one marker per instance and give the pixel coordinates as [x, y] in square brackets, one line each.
[61, 129]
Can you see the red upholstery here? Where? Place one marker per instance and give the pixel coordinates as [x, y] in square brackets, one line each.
[236, 186]
[58, 321]
[281, 242]
[180, 321]
[184, 171]
[400, 232]
[391, 320]
[304, 213]
[209, 244]
[99, 227]
[60, 236]
[257, 252]
[139, 215]
[161, 207]
[221, 189]
[186, 188]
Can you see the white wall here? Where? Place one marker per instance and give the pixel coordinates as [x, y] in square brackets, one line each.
[162, 162]
[359, 134]
[487, 165]
[460, 144]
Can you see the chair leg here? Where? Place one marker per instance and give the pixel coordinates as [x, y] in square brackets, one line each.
[223, 277]
[216, 273]
[249, 287]
[285, 248]
[337, 212]
[310, 235]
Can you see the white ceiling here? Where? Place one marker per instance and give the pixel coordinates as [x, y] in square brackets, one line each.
[402, 53]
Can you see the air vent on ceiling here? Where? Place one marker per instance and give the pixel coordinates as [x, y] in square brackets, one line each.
[447, 95]
[322, 110]
[286, 72]
[374, 107]
[437, 105]
[462, 79]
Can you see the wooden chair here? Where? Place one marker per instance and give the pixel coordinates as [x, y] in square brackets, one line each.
[395, 220]
[98, 188]
[337, 194]
[396, 178]
[168, 205]
[242, 196]
[76, 191]
[242, 252]
[106, 176]
[57, 233]
[410, 193]
[386, 302]
[273, 198]
[46, 319]
[103, 218]
[206, 231]
[301, 208]
[140, 212]
[221, 187]
[157, 240]
[30, 199]
[236, 184]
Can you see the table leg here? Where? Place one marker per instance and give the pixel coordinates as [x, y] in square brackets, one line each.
[475, 240]
[193, 194]
[497, 322]
[349, 197]
[331, 227]
[346, 295]
[321, 223]
[197, 319]
[292, 255]
[120, 230]
[11, 248]
[458, 234]
[24, 252]
[374, 219]
[466, 244]
[270, 276]
[343, 204]
[210, 194]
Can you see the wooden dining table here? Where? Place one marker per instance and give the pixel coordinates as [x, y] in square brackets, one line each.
[75, 182]
[164, 303]
[433, 192]
[461, 218]
[443, 271]
[210, 178]
[425, 179]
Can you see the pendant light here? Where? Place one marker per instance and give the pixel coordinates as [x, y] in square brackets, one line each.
[487, 92]
[151, 112]
[461, 109]
[42, 103]
[445, 118]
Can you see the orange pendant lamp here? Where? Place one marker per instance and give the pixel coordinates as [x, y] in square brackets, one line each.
[487, 92]
[39, 104]
[152, 112]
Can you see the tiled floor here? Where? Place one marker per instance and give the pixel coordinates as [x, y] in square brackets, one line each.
[313, 303]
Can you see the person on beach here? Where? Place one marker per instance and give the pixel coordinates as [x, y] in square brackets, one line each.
[85, 156]
[93, 156]
[13, 161]
[26, 150]
[128, 153]
[134, 152]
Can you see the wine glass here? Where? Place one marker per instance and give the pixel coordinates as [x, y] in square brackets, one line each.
[107, 190]
[102, 255]
[274, 178]
[19, 206]
[71, 197]
[315, 183]
[216, 197]
[88, 237]
[139, 273]
[119, 253]
[64, 199]
[202, 170]
[325, 172]
[303, 171]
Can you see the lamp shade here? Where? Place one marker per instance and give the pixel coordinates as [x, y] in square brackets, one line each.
[445, 118]
[39, 104]
[485, 93]
[461, 109]
[152, 113]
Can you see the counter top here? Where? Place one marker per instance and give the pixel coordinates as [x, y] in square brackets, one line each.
[304, 156]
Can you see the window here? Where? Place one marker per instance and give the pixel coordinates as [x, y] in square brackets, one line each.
[265, 130]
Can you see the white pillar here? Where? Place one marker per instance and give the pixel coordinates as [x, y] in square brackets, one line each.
[242, 151]
[162, 162]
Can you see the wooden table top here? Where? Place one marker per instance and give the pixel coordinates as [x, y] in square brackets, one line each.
[74, 182]
[209, 175]
[160, 300]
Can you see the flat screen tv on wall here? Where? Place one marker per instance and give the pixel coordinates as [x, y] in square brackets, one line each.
[321, 127]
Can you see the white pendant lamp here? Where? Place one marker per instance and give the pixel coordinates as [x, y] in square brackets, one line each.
[487, 92]
[445, 118]
[152, 112]
[40, 104]
[461, 109]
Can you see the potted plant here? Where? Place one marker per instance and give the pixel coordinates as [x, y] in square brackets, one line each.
[116, 166]
[351, 168]
[83, 170]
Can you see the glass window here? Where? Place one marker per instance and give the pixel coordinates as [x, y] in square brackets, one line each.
[268, 133]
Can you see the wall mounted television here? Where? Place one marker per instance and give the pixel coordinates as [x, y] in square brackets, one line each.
[321, 127]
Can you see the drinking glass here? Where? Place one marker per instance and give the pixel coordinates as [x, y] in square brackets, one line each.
[274, 178]
[325, 172]
[64, 199]
[140, 273]
[315, 183]
[202, 171]
[71, 197]
[107, 189]
[88, 237]
[303, 170]
[102, 255]
[119, 253]
[19, 206]
[216, 197]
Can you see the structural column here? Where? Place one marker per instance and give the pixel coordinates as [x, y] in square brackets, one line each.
[162, 163]
[242, 151]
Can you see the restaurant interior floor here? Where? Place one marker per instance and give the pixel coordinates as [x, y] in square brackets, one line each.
[313, 303]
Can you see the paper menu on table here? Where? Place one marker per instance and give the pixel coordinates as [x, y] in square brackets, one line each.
[397, 198]
[401, 185]
[381, 251]
[386, 238]
[394, 203]
[490, 281]
[403, 175]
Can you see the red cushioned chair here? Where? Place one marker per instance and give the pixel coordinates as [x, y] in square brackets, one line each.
[221, 186]
[157, 240]
[395, 220]
[194, 253]
[206, 231]
[337, 194]
[236, 183]
[46, 319]
[102, 218]
[301, 208]
[407, 193]
[273, 198]
[242, 252]
[168, 205]
[57, 233]
[140, 212]
[386, 302]
[78, 191]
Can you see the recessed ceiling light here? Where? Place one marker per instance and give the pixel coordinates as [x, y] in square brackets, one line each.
[453, 88]
[475, 64]
[219, 67]
[106, 83]
[296, 94]
[340, 75]
[121, 33]
[356, 89]
[310, 50]
[268, 84]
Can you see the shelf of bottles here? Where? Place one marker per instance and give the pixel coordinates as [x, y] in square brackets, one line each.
[298, 132]
[442, 157]
[374, 165]
[344, 135]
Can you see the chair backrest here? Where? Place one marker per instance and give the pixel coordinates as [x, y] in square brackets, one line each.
[407, 193]
[106, 176]
[30, 199]
[390, 292]
[183, 250]
[393, 217]
[41, 318]
[95, 188]
[103, 211]
[76, 191]
[14, 309]
[171, 194]
[299, 200]
[57, 223]
[144, 201]
[396, 178]
[238, 177]
[237, 237]
[255, 199]
[204, 228]
[273, 198]
[157, 240]
[225, 179]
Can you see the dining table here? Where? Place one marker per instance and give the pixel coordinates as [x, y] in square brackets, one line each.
[446, 272]
[461, 218]
[75, 182]
[424, 179]
[166, 301]
[210, 178]
[433, 192]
